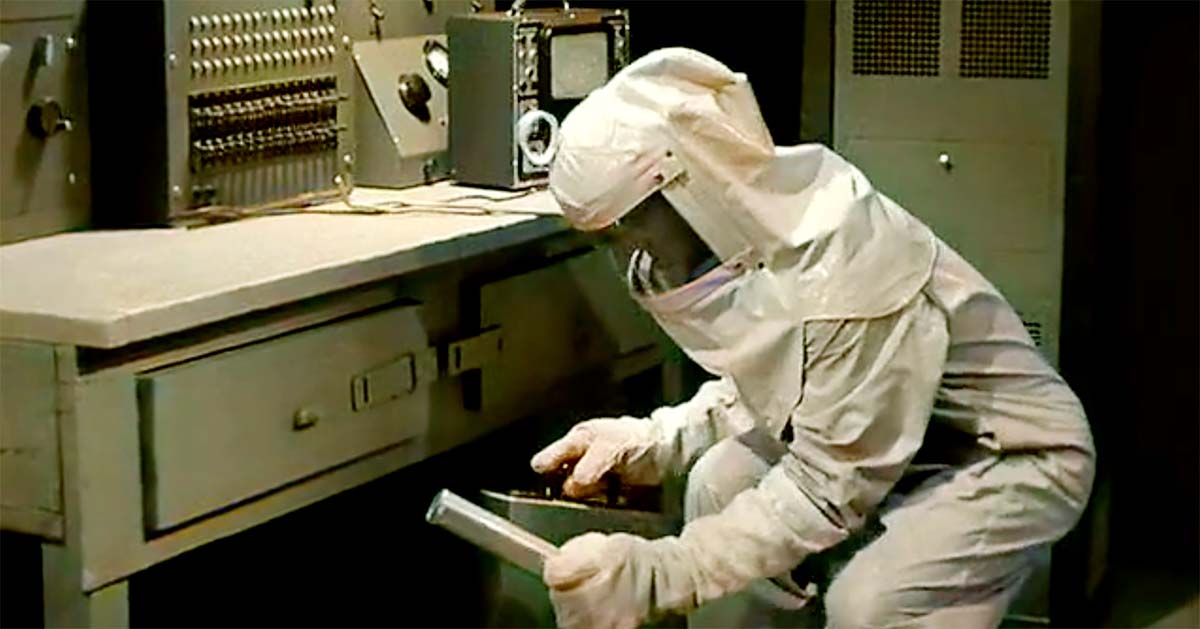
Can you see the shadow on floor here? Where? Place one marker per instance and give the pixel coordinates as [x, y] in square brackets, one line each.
[1153, 598]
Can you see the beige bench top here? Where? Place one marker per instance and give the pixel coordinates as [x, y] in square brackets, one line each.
[110, 288]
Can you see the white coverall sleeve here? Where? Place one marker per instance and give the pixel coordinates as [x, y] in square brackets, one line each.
[683, 432]
[869, 390]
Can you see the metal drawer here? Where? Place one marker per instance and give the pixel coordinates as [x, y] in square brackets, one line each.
[224, 428]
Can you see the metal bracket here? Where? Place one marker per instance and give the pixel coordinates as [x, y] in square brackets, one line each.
[474, 352]
[394, 379]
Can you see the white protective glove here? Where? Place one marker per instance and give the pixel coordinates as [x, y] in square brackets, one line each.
[621, 580]
[625, 446]
[599, 581]
[644, 451]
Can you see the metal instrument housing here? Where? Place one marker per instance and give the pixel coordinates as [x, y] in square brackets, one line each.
[216, 102]
[502, 68]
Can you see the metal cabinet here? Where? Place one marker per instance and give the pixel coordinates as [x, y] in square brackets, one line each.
[992, 201]
[562, 319]
[958, 111]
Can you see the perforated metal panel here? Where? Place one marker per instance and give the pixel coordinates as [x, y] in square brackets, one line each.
[1007, 39]
[897, 38]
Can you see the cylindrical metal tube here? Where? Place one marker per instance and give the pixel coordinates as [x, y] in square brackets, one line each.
[489, 531]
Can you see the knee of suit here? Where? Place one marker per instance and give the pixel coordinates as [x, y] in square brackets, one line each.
[721, 473]
[875, 594]
[859, 603]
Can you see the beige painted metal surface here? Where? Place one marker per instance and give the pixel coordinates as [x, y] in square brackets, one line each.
[67, 605]
[996, 205]
[30, 487]
[225, 428]
[107, 289]
[556, 320]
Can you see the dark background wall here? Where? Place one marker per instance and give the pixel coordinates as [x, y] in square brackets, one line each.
[1143, 347]
[1131, 329]
[1130, 348]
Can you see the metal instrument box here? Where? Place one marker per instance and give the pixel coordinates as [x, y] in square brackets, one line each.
[401, 111]
[514, 76]
[401, 108]
[43, 119]
[216, 103]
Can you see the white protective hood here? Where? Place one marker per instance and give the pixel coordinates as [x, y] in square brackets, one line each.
[800, 229]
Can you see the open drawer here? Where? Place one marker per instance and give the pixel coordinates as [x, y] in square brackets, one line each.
[227, 427]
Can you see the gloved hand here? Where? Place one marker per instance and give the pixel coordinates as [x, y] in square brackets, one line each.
[602, 581]
[625, 446]
[621, 580]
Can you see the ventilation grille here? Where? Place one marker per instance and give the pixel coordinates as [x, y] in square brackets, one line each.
[897, 37]
[1035, 331]
[1006, 39]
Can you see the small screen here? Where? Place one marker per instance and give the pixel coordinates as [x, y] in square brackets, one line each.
[578, 64]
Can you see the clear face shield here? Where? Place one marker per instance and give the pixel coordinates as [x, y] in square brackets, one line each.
[655, 249]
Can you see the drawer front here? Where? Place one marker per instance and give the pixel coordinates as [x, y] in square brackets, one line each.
[224, 428]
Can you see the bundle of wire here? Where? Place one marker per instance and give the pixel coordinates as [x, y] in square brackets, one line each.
[313, 202]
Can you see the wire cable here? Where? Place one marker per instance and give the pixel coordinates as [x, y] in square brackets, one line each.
[309, 203]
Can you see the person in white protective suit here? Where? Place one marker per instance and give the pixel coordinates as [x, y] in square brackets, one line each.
[876, 397]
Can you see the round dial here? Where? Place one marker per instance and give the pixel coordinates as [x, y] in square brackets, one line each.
[415, 94]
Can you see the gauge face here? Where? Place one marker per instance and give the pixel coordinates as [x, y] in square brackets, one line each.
[437, 59]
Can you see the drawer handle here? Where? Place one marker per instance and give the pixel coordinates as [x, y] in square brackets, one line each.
[304, 419]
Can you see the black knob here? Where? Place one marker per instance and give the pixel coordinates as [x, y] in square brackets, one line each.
[45, 118]
[415, 94]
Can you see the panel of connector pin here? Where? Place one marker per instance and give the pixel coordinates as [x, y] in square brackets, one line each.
[230, 127]
[253, 109]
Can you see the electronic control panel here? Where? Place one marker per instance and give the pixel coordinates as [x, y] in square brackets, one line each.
[514, 76]
[217, 103]
[44, 176]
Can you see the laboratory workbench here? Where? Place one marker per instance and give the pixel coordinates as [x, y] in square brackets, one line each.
[110, 288]
[165, 388]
